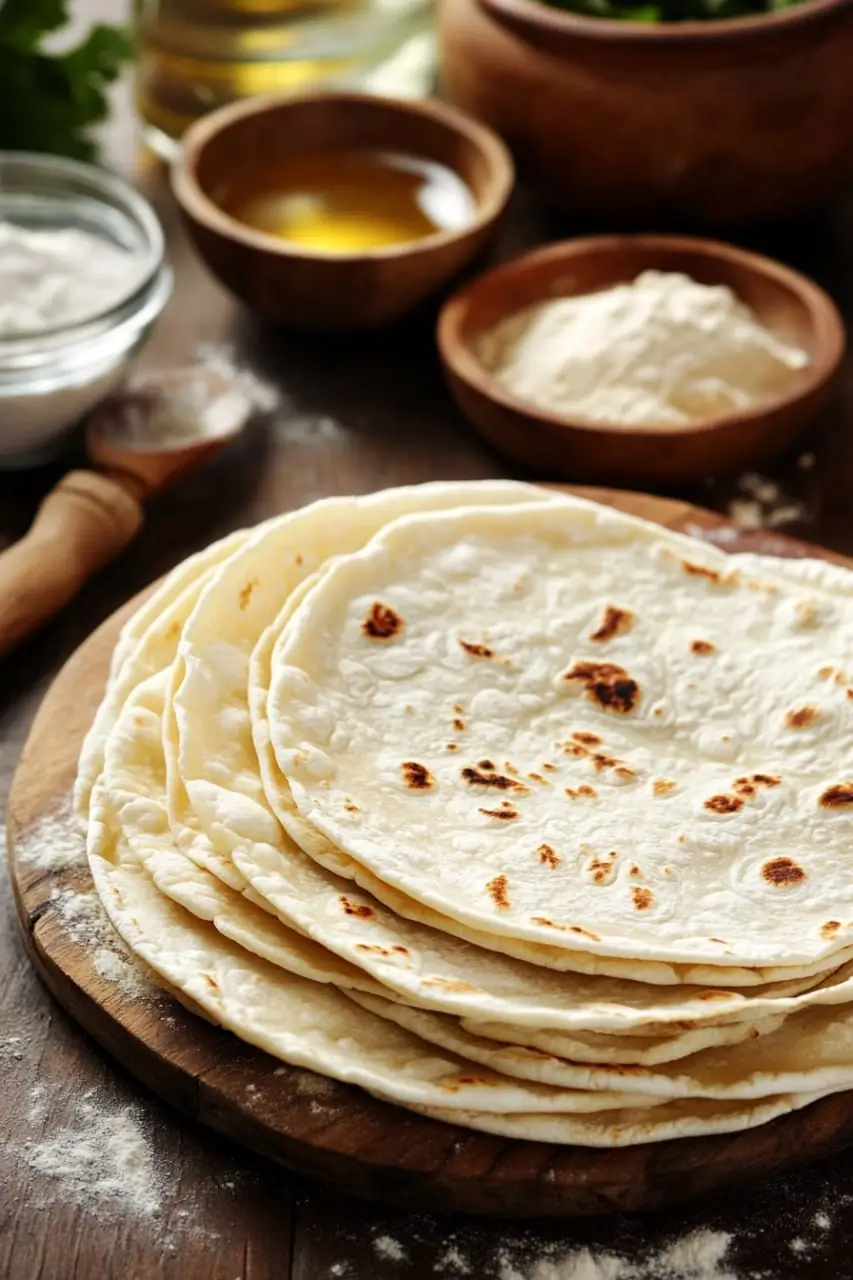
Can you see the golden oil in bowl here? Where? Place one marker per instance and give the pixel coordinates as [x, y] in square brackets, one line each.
[196, 55]
[344, 202]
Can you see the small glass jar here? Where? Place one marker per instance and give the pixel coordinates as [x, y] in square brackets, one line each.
[195, 55]
[51, 377]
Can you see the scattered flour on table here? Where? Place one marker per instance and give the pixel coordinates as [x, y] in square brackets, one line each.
[453, 1262]
[222, 358]
[53, 843]
[389, 1248]
[103, 1158]
[697, 1256]
[764, 505]
[822, 1221]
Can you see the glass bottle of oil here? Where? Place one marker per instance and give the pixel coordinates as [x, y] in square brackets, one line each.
[195, 55]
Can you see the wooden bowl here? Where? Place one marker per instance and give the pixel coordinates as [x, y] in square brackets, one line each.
[572, 449]
[700, 124]
[311, 290]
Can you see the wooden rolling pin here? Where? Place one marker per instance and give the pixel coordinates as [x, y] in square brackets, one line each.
[90, 516]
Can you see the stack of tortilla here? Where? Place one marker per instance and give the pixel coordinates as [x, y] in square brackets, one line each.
[502, 806]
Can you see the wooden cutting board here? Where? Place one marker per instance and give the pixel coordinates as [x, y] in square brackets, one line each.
[320, 1128]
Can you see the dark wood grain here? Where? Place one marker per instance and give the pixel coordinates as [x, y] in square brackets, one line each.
[351, 1141]
[353, 417]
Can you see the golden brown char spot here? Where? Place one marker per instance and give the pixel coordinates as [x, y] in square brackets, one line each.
[587, 739]
[173, 630]
[607, 684]
[724, 804]
[826, 673]
[699, 571]
[458, 708]
[485, 764]
[782, 872]
[838, 796]
[537, 777]
[373, 950]
[510, 768]
[297, 559]
[245, 594]
[382, 622]
[850, 694]
[549, 768]
[477, 650]
[702, 647]
[829, 929]
[458, 725]
[548, 857]
[758, 780]
[601, 870]
[657, 713]
[715, 995]
[351, 806]
[721, 941]
[500, 781]
[498, 889]
[504, 814]
[642, 897]
[417, 776]
[565, 928]
[398, 947]
[452, 746]
[634, 870]
[356, 909]
[754, 1033]
[451, 984]
[583, 792]
[664, 787]
[615, 622]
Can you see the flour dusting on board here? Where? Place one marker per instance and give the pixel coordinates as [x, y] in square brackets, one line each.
[53, 843]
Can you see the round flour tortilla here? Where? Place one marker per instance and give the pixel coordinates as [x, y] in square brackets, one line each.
[310, 1025]
[651, 759]
[135, 772]
[812, 1051]
[158, 621]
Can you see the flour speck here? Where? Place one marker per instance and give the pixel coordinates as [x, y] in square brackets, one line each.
[53, 843]
[389, 1248]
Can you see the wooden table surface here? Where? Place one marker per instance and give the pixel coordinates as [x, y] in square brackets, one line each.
[353, 415]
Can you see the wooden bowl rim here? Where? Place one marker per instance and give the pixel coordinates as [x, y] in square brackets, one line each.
[193, 199]
[536, 17]
[824, 317]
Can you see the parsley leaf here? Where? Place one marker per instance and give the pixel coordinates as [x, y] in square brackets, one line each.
[49, 102]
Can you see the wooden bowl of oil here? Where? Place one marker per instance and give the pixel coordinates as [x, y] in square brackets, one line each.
[336, 211]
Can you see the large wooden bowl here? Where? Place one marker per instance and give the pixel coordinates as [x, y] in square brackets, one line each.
[562, 447]
[703, 123]
[307, 289]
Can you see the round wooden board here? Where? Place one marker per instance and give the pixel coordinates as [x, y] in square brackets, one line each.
[322, 1128]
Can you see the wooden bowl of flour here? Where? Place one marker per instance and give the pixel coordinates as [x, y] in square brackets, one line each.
[563, 447]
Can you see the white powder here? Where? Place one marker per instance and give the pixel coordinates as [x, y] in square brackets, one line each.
[102, 1158]
[53, 843]
[697, 1256]
[454, 1262]
[822, 1221]
[83, 918]
[766, 506]
[58, 277]
[663, 349]
[124, 972]
[169, 414]
[223, 359]
[387, 1247]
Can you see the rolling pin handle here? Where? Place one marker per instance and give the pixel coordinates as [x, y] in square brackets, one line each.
[80, 526]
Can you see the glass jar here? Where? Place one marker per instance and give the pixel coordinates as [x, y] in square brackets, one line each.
[195, 55]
